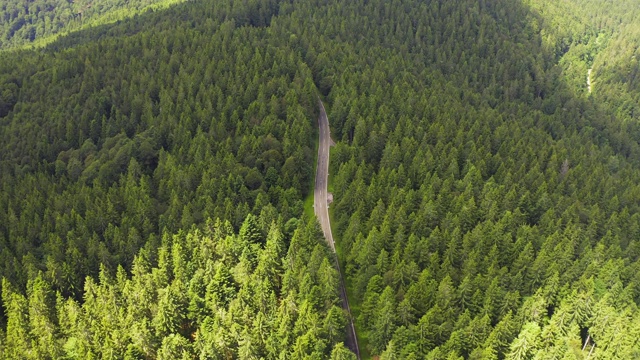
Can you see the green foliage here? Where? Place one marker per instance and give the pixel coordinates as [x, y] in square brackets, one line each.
[486, 204]
[137, 316]
[475, 181]
[25, 22]
[123, 153]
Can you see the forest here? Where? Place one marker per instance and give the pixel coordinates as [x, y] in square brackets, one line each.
[156, 172]
[28, 22]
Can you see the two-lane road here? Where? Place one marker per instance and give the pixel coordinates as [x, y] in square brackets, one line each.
[321, 208]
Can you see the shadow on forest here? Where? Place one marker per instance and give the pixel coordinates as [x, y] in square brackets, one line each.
[253, 13]
[501, 74]
[511, 82]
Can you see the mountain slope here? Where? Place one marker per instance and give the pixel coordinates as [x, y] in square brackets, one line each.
[117, 154]
[485, 205]
[475, 189]
[39, 22]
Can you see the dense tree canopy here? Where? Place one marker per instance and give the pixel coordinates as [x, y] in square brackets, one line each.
[164, 139]
[25, 22]
[486, 203]
[481, 196]
[211, 294]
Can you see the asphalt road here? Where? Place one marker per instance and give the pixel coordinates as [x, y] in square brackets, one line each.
[321, 209]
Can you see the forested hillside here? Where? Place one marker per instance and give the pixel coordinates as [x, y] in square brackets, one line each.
[486, 204]
[212, 295]
[115, 145]
[26, 21]
[487, 209]
[602, 36]
[164, 139]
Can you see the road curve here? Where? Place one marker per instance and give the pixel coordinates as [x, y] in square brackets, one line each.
[321, 209]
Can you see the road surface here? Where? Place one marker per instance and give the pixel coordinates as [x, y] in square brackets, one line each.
[321, 209]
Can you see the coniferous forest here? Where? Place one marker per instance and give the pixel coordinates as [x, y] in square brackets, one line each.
[157, 167]
[26, 22]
